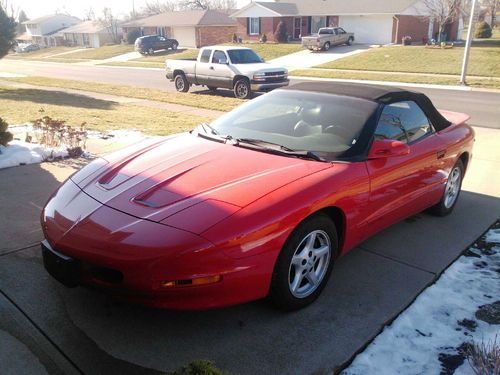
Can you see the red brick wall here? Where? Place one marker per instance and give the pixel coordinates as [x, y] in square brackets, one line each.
[414, 26]
[210, 35]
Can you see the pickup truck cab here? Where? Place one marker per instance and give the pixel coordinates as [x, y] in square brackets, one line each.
[327, 37]
[237, 68]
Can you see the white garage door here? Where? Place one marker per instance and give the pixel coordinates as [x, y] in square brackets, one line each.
[186, 36]
[368, 29]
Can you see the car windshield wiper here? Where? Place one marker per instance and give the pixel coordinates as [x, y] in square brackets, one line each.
[211, 129]
[277, 148]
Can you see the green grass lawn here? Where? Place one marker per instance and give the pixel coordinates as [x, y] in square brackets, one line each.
[490, 83]
[200, 100]
[484, 61]
[42, 53]
[23, 105]
[100, 53]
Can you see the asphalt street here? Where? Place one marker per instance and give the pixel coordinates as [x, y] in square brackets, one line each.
[482, 106]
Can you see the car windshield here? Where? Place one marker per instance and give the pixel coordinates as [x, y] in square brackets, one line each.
[324, 124]
[243, 56]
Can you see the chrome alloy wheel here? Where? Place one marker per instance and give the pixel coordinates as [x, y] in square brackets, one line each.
[452, 187]
[179, 83]
[309, 264]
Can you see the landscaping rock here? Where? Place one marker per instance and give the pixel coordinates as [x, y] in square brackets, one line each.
[489, 313]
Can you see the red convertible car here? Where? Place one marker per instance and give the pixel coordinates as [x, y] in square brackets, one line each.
[261, 202]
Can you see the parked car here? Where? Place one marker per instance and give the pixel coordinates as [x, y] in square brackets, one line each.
[261, 202]
[327, 37]
[237, 68]
[27, 47]
[151, 43]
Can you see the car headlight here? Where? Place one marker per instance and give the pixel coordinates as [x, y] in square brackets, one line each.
[259, 77]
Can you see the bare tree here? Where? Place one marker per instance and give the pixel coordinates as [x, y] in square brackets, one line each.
[443, 12]
[156, 7]
[89, 14]
[492, 6]
[10, 9]
[209, 4]
[110, 22]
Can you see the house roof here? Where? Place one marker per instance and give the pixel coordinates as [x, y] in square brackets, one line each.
[184, 18]
[49, 17]
[86, 27]
[330, 7]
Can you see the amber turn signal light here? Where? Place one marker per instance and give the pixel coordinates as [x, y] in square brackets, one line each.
[198, 281]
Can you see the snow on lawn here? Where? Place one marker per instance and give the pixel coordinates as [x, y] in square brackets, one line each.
[432, 335]
[21, 153]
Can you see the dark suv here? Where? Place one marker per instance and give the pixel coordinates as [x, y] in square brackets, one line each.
[151, 43]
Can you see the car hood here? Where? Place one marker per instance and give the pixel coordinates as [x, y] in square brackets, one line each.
[259, 68]
[161, 178]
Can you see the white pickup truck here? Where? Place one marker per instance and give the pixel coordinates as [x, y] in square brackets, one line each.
[236, 68]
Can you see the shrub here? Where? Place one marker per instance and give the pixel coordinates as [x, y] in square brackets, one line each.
[55, 133]
[485, 358]
[132, 35]
[199, 367]
[483, 30]
[7, 33]
[5, 136]
[263, 38]
[281, 35]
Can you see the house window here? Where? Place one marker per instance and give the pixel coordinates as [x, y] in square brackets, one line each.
[317, 22]
[254, 26]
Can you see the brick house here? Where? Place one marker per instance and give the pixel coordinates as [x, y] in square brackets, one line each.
[373, 22]
[191, 28]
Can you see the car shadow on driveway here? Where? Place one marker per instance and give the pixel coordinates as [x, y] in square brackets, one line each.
[369, 286]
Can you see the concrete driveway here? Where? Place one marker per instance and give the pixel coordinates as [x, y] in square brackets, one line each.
[46, 328]
[309, 59]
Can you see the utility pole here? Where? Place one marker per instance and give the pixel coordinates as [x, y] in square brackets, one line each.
[468, 43]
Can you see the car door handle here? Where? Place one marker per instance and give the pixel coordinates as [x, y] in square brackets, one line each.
[212, 68]
[441, 154]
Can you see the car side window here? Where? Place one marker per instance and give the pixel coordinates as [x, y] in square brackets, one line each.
[219, 57]
[205, 55]
[403, 121]
[341, 31]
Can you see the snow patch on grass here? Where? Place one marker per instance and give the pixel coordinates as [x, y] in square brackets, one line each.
[429, 337]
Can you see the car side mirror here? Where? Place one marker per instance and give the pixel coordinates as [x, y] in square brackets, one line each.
[386, 148]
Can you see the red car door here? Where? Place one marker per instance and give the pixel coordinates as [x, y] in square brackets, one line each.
[401, 186]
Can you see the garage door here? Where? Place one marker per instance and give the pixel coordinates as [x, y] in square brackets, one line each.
[368, 29]
[186, 36]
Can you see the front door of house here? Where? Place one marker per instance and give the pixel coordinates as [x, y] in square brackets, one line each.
[297, 22]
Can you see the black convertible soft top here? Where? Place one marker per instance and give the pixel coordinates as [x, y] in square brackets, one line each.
[375, 93]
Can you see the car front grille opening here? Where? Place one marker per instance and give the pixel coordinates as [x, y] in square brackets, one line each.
[105, 275]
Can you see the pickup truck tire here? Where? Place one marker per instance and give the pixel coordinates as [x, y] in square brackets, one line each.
[181, 83]
[151, 51]
[174, 46]
[212, 88]
[242, 89]
[326, 47]
[349, 41]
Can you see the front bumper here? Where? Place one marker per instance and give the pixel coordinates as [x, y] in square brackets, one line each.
[263, 86]
[94, 245]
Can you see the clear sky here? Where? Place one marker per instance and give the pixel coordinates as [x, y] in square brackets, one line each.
[37, 8]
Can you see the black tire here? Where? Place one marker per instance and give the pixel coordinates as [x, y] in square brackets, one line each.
[448, 202]
[242, 89]
[349, 41]
[174, 46]
[212, 88]
[151, 51]
[281, 294]
[181, 83]
[326, 47]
